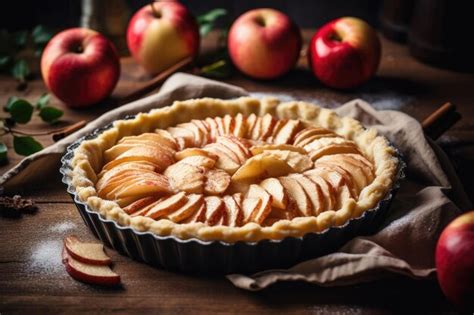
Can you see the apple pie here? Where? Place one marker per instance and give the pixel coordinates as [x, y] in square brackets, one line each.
[234, 170]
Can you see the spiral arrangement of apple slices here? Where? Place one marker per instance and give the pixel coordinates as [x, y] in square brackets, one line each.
[234, 170]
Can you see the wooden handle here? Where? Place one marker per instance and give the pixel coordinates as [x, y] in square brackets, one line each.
[153, 84]
[440, 120]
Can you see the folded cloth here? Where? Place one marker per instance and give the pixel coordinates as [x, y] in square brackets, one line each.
[428, 199]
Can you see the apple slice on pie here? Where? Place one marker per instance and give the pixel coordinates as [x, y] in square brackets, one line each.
[186, 177]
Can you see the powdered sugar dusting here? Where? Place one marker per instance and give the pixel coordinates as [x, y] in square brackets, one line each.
[62, 227]
[45, 257]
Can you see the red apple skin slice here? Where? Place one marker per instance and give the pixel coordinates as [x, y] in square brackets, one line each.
[72, 245]
[73, 268]
[234, 213]
[215, 210]
[198, 216]
[139, 204]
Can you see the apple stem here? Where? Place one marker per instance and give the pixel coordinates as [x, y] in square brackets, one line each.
[153, 10]
[335, 37]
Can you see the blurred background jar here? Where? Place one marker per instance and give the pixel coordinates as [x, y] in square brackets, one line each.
[441, 34]
[395, 18]
[109, 17]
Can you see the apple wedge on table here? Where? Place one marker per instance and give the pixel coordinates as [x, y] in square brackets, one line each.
[87, 262]
[88, 253]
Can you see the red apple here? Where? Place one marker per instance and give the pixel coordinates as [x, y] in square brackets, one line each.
[80, 66]
[264, 43]
[344, 53]
[161, 34]
[455, 260]
[92, 274]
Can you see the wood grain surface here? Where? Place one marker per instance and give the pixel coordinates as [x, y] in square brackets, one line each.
[32, 279]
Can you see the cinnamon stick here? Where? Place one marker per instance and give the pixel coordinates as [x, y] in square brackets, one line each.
[440, 120]
[62, 133]
[155, 82]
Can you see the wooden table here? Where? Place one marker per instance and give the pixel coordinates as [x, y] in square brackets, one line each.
[32, 279]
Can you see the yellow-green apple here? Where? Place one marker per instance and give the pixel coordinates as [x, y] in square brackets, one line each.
[264, 43]
[80, 66]
[161, 34]
[344, 53]
[455, 261]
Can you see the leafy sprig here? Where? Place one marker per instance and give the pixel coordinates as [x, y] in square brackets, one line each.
[13, 44]
[20, 112]
[220, 66]
[207, 20]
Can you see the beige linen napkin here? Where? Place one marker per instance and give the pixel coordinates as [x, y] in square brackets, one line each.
[429, 198]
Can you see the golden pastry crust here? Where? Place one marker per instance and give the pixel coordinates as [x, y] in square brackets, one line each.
[88, 161]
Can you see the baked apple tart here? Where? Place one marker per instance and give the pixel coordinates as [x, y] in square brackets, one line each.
[234, 170]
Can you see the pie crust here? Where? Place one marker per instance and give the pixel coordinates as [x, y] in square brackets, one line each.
[88, 162]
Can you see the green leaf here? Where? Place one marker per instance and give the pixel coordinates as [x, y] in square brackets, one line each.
[26, 145]
[207, 20]
[205, 28]
[3, 153]
[41, 35]
[11, 100]
[21, 111]
[211, 16]
[20, 38]
[43, 101]
[219, 69]
[50, 114]
[20, 70]
[4, 62]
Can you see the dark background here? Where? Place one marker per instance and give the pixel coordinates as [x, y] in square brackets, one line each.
[17, 14]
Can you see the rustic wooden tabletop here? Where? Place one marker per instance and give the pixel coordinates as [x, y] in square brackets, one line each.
[33, 280]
